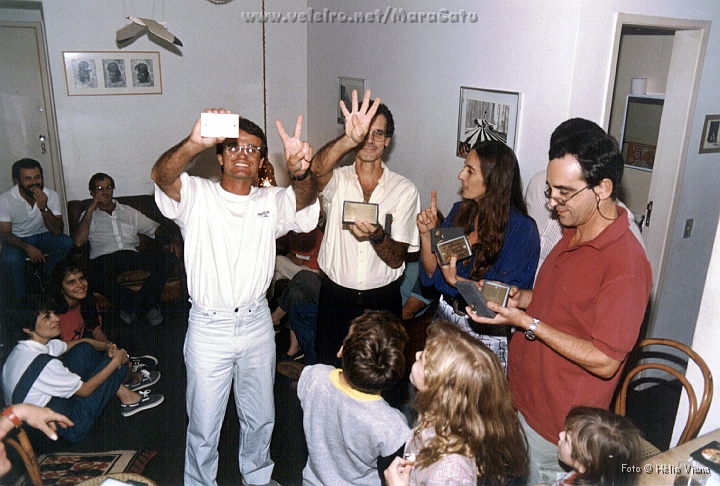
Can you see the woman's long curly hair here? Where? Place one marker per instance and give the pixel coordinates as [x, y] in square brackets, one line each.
[467, 400]
[503, 189]
[88, 306]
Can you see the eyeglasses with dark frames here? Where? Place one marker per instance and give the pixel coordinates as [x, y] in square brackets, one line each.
[378, 135]
[562, 201]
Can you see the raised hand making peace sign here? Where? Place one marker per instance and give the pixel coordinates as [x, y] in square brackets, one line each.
[297, 153]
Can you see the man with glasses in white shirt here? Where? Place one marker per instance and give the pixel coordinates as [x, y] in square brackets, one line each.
[113, 231]
[229, 228]
[363, 262]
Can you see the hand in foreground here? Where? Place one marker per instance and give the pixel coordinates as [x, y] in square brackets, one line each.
[427, 219]
[297, 153]
[42, 418]
[206, 142]
[40, 198]
[357, 121]
[449, 270]
[35, 255]
[398, 472]
[99, 199]
[511, 314]
[363, 229]
[119, 355]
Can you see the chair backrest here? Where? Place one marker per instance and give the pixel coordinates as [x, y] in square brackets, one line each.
[22, 445]
[697, 412]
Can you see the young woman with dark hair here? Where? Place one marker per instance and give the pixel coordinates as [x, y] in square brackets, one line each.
[504, 239]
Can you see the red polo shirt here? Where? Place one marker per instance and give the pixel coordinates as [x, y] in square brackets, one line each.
[598, 291]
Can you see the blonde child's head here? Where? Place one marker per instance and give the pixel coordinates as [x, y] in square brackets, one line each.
[463, 393]
[599, 445]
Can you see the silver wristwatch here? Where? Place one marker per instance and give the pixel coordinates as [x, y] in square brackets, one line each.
[530, 334]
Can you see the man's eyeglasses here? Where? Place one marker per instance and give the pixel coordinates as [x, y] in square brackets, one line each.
[562, 201]
[249, 150]
[104, 188]
[378, 135]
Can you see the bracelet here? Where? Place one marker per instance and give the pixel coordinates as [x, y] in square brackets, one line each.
[301, 177]
[376, 240]
[10, 414]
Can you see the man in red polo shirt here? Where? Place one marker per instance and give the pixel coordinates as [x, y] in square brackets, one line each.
[585, 313]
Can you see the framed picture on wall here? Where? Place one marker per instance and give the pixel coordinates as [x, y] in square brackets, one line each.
[345, 89]
[91, 73]
[709, 143]
[486, 115]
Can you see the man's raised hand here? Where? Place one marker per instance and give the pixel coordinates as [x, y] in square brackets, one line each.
[297, 153]
[206, 142]
[357, 121]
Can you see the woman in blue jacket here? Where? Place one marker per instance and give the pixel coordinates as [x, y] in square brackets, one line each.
[504, 239]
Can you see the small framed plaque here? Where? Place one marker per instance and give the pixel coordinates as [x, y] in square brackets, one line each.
[460, 247]
[359, 211]
[497, 292]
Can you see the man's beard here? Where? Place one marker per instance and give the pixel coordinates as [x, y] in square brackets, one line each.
[28, 190]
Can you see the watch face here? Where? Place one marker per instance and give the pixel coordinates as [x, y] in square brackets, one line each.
[530, 335]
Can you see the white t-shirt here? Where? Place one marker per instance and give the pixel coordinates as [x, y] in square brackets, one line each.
[230, 239]
[55, 380]
[26, 220]
[118, 231]
[353, 263]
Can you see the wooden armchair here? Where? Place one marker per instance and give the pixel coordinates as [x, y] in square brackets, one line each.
[21, 444]
[697, 412]
[175, 288]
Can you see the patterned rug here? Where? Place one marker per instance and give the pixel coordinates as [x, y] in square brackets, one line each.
[65, 468]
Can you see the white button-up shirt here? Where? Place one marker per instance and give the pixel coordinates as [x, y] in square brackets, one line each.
[353, 263]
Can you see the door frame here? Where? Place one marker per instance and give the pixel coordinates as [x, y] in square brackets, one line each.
[689, 47]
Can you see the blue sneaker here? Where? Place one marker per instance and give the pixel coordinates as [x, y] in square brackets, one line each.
[149, 378]
[145, 362]
[146, 402]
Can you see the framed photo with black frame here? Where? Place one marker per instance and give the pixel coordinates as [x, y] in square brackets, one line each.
[345, 89]
[486, 115]
[709, 143]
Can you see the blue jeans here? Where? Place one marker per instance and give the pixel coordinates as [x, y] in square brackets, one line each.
[105, 268]
[229, 348]
[300, 301]
[86, 361]
[12, 258]
[303, 321]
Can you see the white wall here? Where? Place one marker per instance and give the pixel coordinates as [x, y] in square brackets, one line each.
[706, 343]
[220, 65]
[418, 69]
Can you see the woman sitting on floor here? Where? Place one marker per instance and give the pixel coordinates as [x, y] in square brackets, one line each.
[71, 378]
[80, 318]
